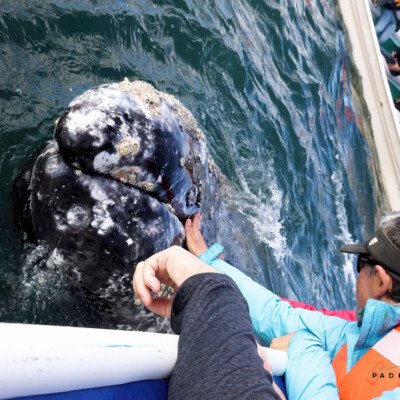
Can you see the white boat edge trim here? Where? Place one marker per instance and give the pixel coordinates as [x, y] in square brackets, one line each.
[40, 359]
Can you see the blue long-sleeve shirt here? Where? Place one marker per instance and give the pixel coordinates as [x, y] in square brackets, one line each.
[319, 337]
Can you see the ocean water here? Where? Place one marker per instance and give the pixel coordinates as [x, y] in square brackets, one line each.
[269, 82]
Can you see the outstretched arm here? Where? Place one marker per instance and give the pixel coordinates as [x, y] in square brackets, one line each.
[197, 245]
[271, 317]
[348, 315]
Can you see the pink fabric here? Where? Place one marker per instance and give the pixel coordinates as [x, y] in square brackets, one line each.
[348, 315]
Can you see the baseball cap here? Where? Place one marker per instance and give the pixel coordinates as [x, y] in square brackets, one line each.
[379, 248]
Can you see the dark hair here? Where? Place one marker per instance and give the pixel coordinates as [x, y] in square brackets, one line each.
[394, 294]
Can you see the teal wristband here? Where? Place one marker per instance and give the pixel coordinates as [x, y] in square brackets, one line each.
[211, 253]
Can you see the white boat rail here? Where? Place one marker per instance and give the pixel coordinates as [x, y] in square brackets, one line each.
[40, 359]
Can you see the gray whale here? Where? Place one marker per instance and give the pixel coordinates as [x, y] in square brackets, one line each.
[127, 166]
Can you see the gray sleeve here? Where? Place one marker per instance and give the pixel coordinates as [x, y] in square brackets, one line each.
[217, 354]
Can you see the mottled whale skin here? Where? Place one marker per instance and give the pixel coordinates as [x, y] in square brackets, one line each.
[127, 166]
[140, 137]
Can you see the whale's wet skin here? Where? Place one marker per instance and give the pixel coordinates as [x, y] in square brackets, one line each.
[127, 166]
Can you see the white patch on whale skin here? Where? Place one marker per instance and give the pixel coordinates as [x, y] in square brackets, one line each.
[148, 151]
[105, 161]
[129, 242]
[153, 229]
[89, 121]
[78, 217]
[75, 272]
[108, 96]
[168, 118]
[97, 193]
[50, 150]
[53, 166]
[153, 204]
[60, 223]
[94, 115]
[124, 129]
[43, 277]
[55, 260]
[202, 152]
[115, 285]
[102, 220]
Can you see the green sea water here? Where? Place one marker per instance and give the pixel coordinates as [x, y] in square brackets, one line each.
[269, 84]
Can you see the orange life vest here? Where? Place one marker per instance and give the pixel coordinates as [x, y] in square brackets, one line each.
[376, 372]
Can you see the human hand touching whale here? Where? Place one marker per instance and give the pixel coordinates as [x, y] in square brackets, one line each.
[171, 267]
[195, 242]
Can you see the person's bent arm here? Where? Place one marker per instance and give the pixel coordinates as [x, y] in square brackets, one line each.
[309, 374]
[217, 352]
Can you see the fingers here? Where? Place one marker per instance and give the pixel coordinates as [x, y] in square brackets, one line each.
[145, 281]
[197, 221]
[142, 292]
[150, 279]
[149, 275]
[172, 267]
[161, 307]
[188, 223]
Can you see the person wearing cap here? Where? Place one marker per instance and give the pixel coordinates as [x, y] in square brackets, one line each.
[330, 358]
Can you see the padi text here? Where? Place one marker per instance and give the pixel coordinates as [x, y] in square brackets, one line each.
[386, 375]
